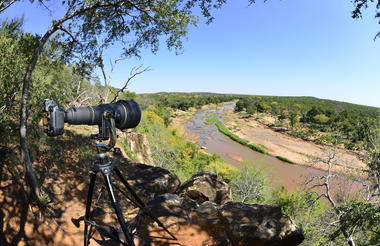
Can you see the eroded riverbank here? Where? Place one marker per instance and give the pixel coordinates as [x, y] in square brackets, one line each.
[297, 150]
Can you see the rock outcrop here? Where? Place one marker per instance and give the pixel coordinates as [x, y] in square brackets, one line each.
[138, 144]
[200, 212]
[230, 224]
[261, 224]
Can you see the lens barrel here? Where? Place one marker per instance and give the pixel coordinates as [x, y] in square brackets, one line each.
[127, 114]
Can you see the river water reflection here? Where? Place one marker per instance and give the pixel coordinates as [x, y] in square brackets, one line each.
[280, 173]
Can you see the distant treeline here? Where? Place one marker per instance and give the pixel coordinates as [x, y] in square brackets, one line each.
[184, 101]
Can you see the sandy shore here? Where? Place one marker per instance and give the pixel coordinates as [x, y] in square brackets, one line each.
[297, 150]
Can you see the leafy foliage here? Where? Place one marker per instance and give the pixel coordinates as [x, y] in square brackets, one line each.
[303, 207]
[363, 4]
[52, 78]
[361, 218]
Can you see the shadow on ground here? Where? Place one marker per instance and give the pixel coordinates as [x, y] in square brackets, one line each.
[61, 165]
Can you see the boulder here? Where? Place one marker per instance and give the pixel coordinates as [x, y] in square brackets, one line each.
[206, 186]
[260, 225]
[171, 209]
[208, 217]
[148, 181]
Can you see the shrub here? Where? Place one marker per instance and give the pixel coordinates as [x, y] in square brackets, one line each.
[224, 170]
[305, 209]
[249, 185]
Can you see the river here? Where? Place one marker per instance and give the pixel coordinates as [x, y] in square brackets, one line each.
[280, 173]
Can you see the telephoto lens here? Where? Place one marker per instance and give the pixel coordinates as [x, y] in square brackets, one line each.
[127, 114]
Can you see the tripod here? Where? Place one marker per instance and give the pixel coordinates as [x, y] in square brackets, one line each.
[107, 167]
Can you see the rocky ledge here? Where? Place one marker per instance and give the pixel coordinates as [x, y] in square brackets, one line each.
[201, 212]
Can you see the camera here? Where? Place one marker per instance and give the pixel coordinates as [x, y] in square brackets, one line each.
[126, 114]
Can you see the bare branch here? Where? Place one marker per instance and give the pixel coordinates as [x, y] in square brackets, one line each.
[134, 72]
[324, 181]
[60, 27]
[46, 7]
[4, 5]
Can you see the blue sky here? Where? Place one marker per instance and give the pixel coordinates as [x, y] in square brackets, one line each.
[281, 47]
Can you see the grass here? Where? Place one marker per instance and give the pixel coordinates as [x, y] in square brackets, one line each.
[284, 159]
[211, 119]
[236, 138]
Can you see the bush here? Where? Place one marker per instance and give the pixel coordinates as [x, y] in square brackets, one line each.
[249, 185]
[224, 170]
[303, 134]
[321, 119]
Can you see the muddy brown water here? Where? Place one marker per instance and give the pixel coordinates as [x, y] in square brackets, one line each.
[280, 173]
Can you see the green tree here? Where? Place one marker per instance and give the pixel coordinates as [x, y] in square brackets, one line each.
[251, 109]
[294, 119]
[321, 119]
[52, 78]
[136, 24]
[12, 63]
[239, 106]
[354, 221]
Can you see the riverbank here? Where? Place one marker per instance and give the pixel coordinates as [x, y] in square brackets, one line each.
[296, 150]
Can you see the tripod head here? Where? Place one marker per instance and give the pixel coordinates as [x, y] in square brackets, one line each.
[107, 130]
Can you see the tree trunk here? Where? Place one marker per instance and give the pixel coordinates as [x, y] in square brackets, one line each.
[30, 177]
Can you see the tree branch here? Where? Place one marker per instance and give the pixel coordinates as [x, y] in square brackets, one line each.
[134, 72]
[60, 27]
[4, 7]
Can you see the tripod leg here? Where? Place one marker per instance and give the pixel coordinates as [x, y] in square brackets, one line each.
[88, 208]
[117, 209]
[132, 192]
[140, 204]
